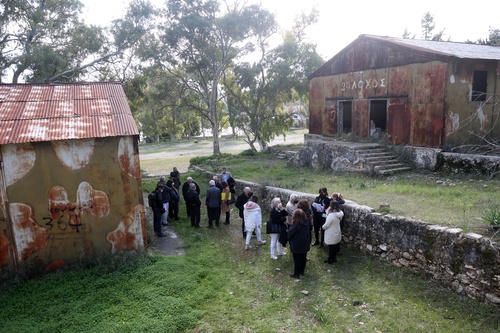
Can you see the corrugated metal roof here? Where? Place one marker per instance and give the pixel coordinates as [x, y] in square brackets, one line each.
[50, 112]
[452, 49]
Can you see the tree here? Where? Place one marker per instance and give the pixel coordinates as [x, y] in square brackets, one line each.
[258, 91]
[203, 40]
[493, 38]
[428, 26]
[43, 41]
[156, 99]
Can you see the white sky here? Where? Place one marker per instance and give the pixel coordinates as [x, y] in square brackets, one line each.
[341, 22]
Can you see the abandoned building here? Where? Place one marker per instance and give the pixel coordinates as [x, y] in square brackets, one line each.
[70, 184]
[431, 96]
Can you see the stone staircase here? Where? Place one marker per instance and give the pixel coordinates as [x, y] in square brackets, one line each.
[381, 160]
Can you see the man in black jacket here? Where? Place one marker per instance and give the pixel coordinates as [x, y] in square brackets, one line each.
[193, 203]
[157, 209]
[240, 202]
[185, 190]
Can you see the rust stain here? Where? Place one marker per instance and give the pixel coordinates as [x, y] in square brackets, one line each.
[128, 234]
[128, 158]
[55, 265]
[30, 237]
[4, 251]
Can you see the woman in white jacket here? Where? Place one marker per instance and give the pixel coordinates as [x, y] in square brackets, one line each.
[333, 234]
[253, 220]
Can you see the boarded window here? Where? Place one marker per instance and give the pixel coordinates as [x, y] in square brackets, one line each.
[479, 86]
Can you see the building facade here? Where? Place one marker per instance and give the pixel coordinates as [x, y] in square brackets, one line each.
[419, 93]
[70, 184]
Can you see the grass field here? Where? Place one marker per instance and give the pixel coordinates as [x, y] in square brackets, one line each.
[217, 286]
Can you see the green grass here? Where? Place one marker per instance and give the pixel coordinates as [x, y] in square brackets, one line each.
[217, 286]
[432, 197]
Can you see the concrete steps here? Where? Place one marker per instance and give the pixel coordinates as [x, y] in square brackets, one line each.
[381, 160]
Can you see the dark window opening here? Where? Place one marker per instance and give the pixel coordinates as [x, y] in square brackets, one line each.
[345, 117]
[479, 86]
[378, 117]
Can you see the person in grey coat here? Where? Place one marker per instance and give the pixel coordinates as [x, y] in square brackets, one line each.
[212, 201]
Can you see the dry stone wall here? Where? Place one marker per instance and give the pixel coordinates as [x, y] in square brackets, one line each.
[468, 263]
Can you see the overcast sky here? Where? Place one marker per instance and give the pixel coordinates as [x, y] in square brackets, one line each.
[341, 22]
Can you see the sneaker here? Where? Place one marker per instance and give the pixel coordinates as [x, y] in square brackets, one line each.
[282, 254]
[247, 247]
[274, 258]
[262, 242]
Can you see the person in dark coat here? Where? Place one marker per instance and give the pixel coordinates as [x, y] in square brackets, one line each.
[175, 177]
[213, 204]
[241, 200]
[300, 242]
[158, 209]
[304, 205]
[192, 198]
[185, 189]
[173, 207]
[319, 207]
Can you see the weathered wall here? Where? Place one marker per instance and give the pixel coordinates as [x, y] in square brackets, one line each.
[65, 200]
[415, 95]
[468, 163]
[467, 121]
[466, 262]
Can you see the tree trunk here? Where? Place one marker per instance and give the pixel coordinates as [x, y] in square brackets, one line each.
[213, 114]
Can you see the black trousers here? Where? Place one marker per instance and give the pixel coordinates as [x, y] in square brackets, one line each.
[173, 210]
[332, 252]
[213, 215]
[299, 263]
[318, 222]
[195, 215]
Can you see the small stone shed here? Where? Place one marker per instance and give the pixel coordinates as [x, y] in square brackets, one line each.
[70, 184]
[419, 93]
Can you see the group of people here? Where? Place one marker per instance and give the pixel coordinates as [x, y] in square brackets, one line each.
[219, 196]
[294, 224]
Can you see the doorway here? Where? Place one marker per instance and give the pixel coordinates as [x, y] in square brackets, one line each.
[345, 117]
[378, 117]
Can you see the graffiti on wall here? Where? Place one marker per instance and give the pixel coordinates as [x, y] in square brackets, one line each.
[65, 214]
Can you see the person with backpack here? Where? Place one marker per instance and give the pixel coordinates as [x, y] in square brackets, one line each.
[156, 203]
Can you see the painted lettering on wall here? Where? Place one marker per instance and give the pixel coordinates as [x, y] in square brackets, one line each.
[363, 84]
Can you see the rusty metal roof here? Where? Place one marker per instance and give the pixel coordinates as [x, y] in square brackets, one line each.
[451, 49]
[50, 112]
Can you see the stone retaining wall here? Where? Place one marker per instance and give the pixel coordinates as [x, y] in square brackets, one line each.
[468, 263]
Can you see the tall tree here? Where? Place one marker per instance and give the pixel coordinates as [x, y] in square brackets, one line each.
[428, 26]
[44, 40]
[258, 91]
[204, 39]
